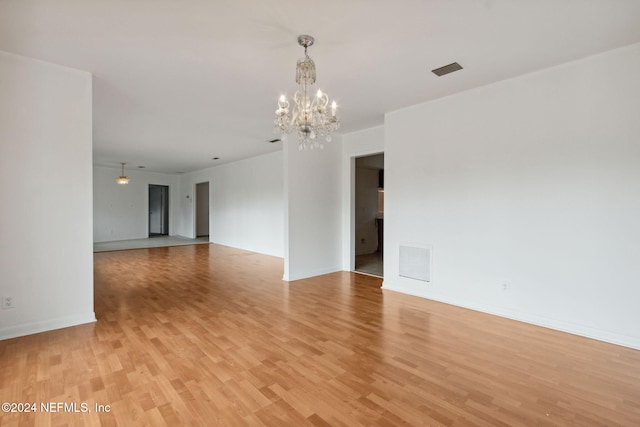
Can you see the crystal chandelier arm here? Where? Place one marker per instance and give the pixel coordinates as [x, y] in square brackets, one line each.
[282, 102]
[303, 108]
[321, 101]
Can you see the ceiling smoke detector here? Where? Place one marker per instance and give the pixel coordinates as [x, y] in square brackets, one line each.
[447, 69]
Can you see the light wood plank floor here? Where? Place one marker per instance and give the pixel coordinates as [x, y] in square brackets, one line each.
[209, 335]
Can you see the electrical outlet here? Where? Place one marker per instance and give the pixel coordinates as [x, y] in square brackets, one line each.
[8, 302]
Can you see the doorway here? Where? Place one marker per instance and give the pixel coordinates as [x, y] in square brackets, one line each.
[158, 210]
[369, 215]
[202, 209]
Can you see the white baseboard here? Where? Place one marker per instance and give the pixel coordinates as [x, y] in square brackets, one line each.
[310, 273]
[559, 325]
[45, 325]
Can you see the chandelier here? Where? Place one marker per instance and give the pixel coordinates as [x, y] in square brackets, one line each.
[122, 179]
[310, 117]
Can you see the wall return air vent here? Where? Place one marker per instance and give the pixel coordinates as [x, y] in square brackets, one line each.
[415, 263]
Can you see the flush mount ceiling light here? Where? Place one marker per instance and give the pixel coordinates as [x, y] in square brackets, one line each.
[122, 179]
[310, 117]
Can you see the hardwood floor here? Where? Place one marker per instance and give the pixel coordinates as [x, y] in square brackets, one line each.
[209, 335]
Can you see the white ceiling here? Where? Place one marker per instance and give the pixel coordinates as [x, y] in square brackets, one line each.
[179, 82]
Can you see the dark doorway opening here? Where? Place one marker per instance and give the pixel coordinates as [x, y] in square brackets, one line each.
[202, 209]
[158, 210]
[369, 214]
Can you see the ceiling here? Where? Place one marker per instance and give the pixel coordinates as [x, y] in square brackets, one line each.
[177, 83]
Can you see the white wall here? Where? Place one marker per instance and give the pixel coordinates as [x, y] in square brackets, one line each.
[246, 204]
[356, 144]
[532, 182]
[312, 187]
[46, 261]
[121, 212]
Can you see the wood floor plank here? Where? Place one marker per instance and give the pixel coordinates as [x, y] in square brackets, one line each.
[209, 335]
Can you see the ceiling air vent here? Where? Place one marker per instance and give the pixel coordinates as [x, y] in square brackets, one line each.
[447, 69]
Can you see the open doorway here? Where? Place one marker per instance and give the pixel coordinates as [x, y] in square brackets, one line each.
[369, 214]
[202, 209]
[158, 210]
